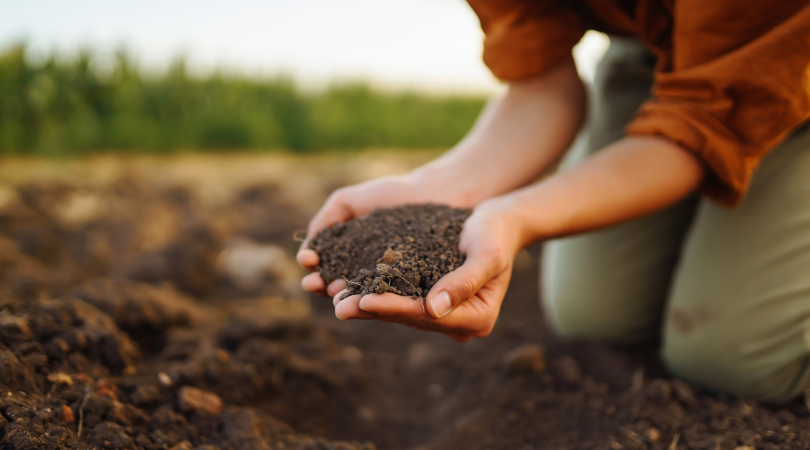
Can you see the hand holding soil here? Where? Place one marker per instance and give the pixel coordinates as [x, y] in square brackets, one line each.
[356, 201]
[392, 256]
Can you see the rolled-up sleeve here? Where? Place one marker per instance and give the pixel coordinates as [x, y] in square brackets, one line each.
[525, 37]
[738, 82]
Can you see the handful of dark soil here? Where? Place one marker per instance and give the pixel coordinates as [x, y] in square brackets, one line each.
[404, 250]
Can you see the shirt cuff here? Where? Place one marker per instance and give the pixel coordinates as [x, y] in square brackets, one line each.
[509, 64]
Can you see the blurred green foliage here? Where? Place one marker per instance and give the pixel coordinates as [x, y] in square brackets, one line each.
[66, 107]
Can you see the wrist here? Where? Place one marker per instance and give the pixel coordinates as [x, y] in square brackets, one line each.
[533, 213]
[507, 210]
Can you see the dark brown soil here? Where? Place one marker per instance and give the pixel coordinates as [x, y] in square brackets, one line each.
[403, 250]
[169, 322]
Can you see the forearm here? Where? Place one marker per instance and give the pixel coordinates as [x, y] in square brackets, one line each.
[631, 178]
[515, 139]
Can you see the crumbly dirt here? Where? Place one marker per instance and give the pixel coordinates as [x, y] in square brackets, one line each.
[403, 250]
[145, 311]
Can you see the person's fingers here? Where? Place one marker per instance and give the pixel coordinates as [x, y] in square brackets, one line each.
[392, 305]
[308, 259]
[465, 321]
[349, 308]
[459, 285]
[317, 285]
[314, 283]
[336, 286]
[336, 297]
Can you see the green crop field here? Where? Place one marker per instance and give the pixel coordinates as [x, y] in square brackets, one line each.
[64, 107]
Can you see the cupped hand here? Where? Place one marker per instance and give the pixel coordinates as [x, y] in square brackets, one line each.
[355, 201]
[464, 303]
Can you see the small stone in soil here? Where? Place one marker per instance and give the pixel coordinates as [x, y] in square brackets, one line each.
[60, 378]
[67, 414]
[164, 379]
[193, 399]
[526, 359]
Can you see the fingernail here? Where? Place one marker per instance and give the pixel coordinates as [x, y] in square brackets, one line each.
[441, 304]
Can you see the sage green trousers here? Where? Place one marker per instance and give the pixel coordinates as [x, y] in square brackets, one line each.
[727, 290]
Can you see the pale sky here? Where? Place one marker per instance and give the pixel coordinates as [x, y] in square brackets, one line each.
[432, 45]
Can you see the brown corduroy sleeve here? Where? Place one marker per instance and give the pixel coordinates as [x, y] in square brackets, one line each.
[738, 83]
[525, 37]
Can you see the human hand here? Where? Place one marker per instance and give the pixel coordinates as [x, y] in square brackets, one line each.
[355, 201]
[464, 303]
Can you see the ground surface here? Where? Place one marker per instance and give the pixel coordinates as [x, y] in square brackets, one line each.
[154, 303]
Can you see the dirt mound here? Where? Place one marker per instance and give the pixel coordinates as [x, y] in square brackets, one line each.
[403, 250]
[136, 306]
[71, 378]
[106, 342]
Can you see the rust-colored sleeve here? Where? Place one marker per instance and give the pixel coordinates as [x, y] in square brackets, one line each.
[525, 37]
[737, 83]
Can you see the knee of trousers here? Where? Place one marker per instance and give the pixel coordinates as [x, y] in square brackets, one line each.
[586, 309]
[728, 362]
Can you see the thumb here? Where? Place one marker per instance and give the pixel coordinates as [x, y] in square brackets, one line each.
[463, 283]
